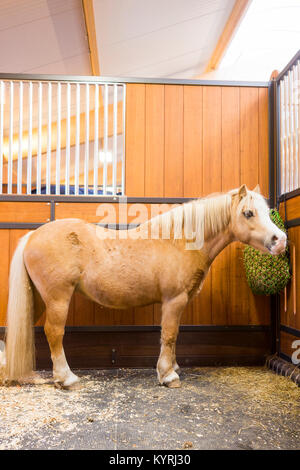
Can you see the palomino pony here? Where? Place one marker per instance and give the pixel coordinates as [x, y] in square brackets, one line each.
[60, 257]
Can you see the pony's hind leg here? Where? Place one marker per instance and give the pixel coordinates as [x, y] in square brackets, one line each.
[166, 365]
[56, 316]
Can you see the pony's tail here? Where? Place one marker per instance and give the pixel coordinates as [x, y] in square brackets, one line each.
[19, 351]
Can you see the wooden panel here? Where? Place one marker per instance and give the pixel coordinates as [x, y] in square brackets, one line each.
[286, 341]
[173, 174]
[259, 312]
[263, 141]
[288, 318]
[230, 138]
[103, 316]
[212, 182]
[4, 270]
[109, 212]
[157, 314]
[83, 312]
[292, 208]
[212, 149]
[143, 315]
[92, 349]
[192, 165]
[239, 288]
[155, 141]
[30, 212]
[249, 136]
[251, 170]
[80, 210]
[192, 116]
[230, 178]
[135, 140]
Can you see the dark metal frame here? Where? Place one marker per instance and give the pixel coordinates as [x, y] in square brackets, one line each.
[290, 330]
[276, 129]
[128, 328]
[275, 187]
[121, 80]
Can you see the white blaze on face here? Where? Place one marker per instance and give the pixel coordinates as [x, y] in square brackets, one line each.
[275, 239]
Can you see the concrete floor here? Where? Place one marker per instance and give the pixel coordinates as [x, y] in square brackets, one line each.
[216, 408]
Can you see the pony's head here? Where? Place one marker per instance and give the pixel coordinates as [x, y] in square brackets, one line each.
[251, 222]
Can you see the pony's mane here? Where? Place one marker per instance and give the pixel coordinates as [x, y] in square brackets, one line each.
[205, 217]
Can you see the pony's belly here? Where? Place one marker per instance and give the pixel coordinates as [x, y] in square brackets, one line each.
[120, 294]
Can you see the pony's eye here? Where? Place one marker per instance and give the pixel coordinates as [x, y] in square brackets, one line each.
[248, 214]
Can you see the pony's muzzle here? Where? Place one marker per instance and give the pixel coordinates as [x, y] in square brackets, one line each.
[277, 244]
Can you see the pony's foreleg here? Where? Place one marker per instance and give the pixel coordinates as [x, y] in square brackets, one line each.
[171, 313]
[56, 316]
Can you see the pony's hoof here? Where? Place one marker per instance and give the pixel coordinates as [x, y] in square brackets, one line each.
[70, 383]
[62, 386]
[171, 380]
[73, 386]
[39, 380]
[174, 384]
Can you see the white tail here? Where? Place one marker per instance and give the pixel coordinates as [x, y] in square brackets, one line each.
[20, 356]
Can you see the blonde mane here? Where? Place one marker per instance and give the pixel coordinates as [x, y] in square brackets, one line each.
[200, 218]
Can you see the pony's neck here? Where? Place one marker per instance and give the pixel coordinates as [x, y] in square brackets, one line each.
[216, 244]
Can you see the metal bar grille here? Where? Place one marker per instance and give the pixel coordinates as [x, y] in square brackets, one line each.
[288, 128]
[62, 137]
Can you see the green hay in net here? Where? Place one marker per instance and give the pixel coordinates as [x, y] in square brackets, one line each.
[267, 274]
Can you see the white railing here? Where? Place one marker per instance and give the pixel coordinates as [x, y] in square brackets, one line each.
[62, 137]
[289, 118]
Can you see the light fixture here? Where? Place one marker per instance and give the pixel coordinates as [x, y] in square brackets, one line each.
[105, 157]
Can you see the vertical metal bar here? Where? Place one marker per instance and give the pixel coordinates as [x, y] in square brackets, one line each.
[11, 129]
[67, 179]
[298, 119]
[77, 141]
[39, 152]
[287, 153]
[282, 135]
[294, 91]
[291, 147]
[105, 139]
[58, 140]
[96, 137]
[48, 163]
[87, 132]
[29, 156]
[115, 140]
[277, 110]
[2, 97]
[19, 172]
[124, 137]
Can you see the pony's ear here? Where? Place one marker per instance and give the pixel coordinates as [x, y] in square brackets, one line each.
[242, 191]
[257, 189]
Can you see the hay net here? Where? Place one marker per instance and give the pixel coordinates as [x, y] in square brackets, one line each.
[267, 274]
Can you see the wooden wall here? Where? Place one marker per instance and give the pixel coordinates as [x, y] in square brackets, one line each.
[181, 141]
[189, 141]
[289, 318]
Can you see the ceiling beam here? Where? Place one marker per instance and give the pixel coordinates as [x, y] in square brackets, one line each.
[239, 9]
[89, 15]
